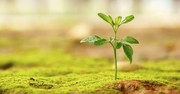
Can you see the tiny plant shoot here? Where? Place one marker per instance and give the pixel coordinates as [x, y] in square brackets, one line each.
[114, 41]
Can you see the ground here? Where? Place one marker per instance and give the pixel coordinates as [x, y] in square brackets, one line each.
[29, 66]
[57, 72]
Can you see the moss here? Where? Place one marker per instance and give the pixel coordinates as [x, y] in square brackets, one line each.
[57, 72]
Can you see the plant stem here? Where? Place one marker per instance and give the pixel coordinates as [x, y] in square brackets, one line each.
[115, 63]
[115, 56]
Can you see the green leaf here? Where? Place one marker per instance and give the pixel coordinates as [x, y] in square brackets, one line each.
[118, 20]
[118, 45]
[128, 51]
[101, 42]
[111, 19]
[90, 39]
[130, 39]
[127, 19]
[106, 18]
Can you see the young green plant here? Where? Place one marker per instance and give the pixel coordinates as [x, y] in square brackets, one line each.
[114, 41]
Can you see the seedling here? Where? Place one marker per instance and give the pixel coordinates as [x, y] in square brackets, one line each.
[114, 41]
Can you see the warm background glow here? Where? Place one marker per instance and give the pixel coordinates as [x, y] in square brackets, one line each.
[156, 22]
[23, 15]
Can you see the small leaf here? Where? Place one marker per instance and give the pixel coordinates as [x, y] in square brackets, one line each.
[111, 19]
[127, 19]
[90, 39]
[118, 45]
[128, 51]
[106, 18]
[101, 42]
[130, 39]
[118, 20]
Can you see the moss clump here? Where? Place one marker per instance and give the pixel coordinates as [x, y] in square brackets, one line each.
[56, 72]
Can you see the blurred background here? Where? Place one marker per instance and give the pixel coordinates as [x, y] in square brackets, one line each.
[61, 24]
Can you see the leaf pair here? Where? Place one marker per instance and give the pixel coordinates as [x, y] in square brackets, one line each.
[127, 39]
[118, 20]
[127, 48]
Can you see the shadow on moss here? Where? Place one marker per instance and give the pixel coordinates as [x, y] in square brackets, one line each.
[39, 84]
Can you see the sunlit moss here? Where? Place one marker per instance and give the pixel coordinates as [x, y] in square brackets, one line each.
[57, 72]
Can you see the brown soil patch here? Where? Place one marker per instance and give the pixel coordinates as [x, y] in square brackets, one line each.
[138, 87]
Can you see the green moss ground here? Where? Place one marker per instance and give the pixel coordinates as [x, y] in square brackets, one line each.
[57, 72]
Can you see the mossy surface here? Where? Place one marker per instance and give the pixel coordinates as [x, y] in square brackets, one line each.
[54, 71]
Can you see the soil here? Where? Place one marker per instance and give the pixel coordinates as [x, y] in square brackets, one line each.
[139, 87]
